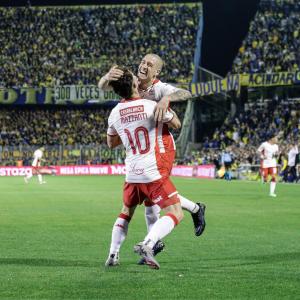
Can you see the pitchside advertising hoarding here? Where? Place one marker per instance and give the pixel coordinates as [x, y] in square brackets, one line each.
[205, 171]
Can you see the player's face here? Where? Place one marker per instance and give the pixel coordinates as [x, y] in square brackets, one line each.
[274, 140]
[148, 68]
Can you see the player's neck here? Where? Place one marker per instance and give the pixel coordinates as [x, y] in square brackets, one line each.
[135, 95]
[145, 84]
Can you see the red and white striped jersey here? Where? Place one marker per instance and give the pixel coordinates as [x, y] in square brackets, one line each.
[144, 139]
[268, 152]
[158, 90]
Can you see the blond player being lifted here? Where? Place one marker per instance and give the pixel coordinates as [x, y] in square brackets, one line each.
[150, 87]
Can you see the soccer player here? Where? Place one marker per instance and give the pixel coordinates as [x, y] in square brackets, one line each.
[36, 165]
[150, 87]
[132, 123]
[269, 151]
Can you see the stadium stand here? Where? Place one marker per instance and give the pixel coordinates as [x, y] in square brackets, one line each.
[272, 43]
[243, 133]
[51, 126]
[59, 46]
[58, 125]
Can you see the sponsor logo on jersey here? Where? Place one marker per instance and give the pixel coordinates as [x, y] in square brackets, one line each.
[131, 110]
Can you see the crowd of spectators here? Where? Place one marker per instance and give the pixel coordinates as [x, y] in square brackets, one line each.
[59, 45]
[273, 40]
[58, 125]
[242, 135]
[52, 126]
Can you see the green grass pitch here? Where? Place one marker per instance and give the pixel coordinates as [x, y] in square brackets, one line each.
[54, 240]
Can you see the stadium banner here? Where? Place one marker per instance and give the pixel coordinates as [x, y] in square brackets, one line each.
[59, 95]
[270, 79]
[81, 94]
[234, 82]
[205, 171]
[219, 86]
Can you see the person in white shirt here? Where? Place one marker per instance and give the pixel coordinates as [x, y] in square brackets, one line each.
[268, 152]
[132, 123]
[292, 160]
[150, 87]
[36, 166]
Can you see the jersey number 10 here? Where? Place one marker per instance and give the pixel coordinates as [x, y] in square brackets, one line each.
[138, 132]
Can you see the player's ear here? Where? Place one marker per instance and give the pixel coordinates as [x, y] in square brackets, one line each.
[158, 72]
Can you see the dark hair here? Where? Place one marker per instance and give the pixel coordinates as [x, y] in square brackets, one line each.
[270, 135]
[123, 86]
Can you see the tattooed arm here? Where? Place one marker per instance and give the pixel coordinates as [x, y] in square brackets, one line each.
[163, 104]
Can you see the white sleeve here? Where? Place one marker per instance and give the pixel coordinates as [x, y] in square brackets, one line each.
[168, 89]
[111, 129]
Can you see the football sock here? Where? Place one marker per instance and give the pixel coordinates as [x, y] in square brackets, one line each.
[151, 215]
[160, 229]
[119, 233]
[272, 187]
[188, 205]
[40, 178]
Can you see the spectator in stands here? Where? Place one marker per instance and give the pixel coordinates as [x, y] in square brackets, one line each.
[293, 155]
[61, 46]
[64, 126]
[272, 43]
[247, 130]
[58, 126]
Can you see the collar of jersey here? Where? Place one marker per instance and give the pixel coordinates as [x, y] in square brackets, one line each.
[130, 99]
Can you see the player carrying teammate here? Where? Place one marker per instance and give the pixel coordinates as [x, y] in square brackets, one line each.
[150, 87]
[132, 123]
[269, 151]
[36, 165]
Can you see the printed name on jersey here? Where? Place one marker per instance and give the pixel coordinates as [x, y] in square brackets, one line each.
[133, 118]
[131, 110]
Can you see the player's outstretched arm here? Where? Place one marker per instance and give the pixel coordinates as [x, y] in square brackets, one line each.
[180, 95]
[163, 104]
[113, 141]
[113, 74]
